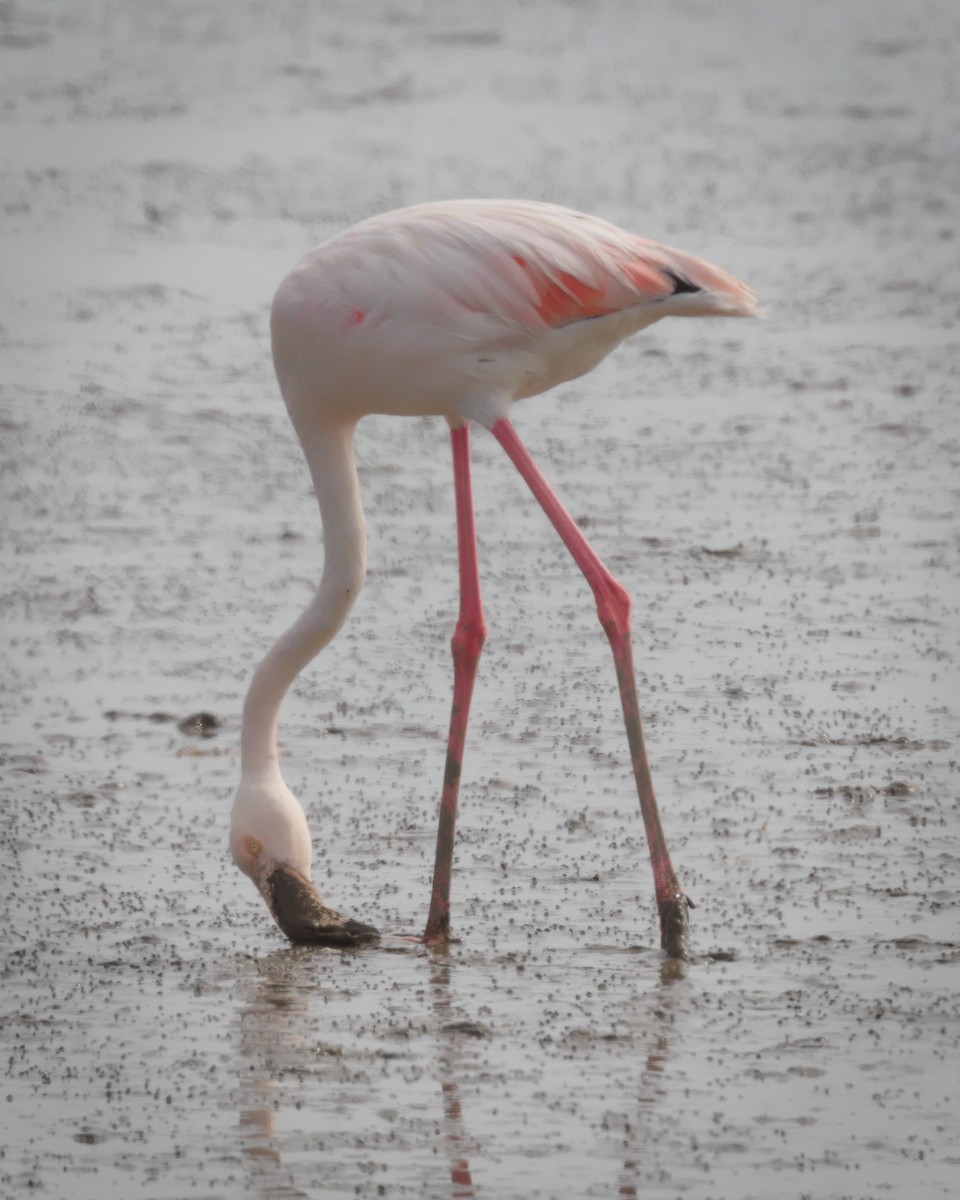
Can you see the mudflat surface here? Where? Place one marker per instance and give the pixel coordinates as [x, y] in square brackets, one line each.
[780, 497]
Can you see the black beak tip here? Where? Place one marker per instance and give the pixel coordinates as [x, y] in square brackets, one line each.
[358, 934]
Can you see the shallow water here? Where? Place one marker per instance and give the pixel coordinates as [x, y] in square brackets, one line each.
[781, 498]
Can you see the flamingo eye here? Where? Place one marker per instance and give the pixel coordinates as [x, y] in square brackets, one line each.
[254, 847]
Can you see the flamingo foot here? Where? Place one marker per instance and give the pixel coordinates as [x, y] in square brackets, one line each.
[437, 932]
[675, 926]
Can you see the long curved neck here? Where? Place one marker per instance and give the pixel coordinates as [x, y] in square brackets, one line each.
[328, 447]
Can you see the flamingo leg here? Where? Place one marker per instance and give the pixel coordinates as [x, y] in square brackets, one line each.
[468, 639]
[613, 608]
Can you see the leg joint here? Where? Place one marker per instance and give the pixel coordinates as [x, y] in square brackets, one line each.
[613, 606]
[468, 639]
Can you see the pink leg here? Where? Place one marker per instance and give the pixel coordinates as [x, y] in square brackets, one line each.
[613, 607]
[468, 639]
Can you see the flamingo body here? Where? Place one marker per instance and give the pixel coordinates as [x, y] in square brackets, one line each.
[457, 309]
[462, 307]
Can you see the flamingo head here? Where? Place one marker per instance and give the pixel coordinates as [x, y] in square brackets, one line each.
[270, 843]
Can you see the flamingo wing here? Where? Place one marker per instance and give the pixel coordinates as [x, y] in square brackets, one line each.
[537, 266]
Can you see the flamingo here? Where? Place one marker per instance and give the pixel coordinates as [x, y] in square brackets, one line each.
[456, 309]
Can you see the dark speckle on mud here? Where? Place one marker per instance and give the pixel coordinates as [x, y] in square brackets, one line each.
[200, 724]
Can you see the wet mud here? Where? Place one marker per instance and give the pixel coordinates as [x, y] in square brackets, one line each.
[781, 499]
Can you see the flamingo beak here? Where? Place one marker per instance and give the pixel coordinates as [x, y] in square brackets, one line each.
[299, 910]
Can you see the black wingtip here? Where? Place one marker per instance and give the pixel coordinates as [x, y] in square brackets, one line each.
[681, 285]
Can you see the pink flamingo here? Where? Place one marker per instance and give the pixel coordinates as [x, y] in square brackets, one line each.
[457, 309]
